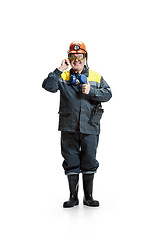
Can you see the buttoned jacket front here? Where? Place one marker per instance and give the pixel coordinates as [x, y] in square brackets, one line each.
[75, 108]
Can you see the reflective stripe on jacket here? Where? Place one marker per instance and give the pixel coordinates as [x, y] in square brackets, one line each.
[76, 107]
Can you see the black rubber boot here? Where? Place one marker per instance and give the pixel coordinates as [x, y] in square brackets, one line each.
[88, 189]
[73, 187]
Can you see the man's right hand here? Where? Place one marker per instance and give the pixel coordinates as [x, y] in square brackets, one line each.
[64, 65]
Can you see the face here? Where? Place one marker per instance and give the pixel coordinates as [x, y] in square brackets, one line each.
[77, 61]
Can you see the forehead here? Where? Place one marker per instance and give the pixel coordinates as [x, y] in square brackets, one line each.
[76, 53]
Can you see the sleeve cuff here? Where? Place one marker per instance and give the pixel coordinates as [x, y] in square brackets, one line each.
[56, 71]
[92, 92]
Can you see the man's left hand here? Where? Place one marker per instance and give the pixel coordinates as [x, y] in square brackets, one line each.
[86, 88]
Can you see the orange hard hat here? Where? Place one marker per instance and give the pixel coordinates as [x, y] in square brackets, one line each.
[77, 47]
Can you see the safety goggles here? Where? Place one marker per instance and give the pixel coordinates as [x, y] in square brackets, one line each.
[73, 56]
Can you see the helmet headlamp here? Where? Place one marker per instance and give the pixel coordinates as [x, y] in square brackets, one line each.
[76, 47]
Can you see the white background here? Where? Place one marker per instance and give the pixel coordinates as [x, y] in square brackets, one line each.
[123, 43]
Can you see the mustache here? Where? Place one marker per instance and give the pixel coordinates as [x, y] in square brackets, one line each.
[77, 62]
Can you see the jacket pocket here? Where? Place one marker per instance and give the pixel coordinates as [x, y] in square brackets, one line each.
[65, 118]
[95, 116]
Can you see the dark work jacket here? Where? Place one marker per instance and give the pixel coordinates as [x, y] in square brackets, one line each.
[76, 108]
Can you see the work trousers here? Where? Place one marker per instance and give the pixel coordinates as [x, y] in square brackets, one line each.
[79, 152]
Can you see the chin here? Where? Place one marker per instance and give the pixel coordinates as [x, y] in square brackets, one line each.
[78, 68]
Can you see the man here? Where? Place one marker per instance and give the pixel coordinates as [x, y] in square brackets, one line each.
[81, 93]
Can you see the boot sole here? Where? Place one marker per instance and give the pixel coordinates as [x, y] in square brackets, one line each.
[70, 206]
[90, 204]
